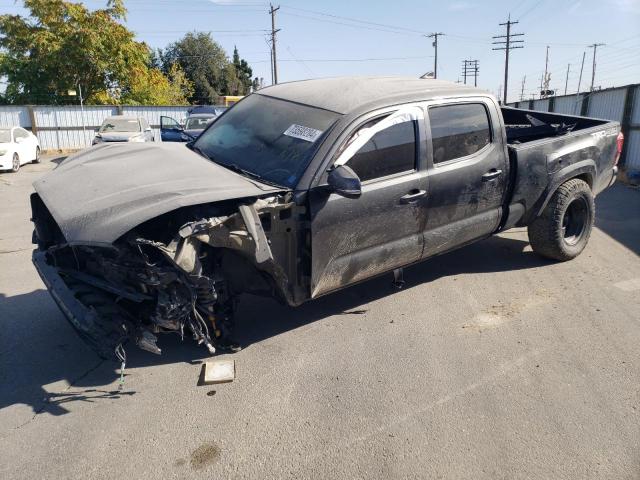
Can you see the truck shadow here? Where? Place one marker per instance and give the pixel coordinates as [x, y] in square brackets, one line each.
[38, 348]
[259, 319]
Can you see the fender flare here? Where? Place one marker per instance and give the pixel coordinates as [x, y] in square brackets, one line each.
[584, 168]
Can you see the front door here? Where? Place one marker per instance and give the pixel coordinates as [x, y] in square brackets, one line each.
[355, 239]
[468, 173]
[171, 130]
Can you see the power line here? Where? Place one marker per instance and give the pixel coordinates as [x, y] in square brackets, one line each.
[355, 20]
[506, 45]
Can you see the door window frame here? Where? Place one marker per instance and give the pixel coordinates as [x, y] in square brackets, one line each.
[359, 122]
[488, 106]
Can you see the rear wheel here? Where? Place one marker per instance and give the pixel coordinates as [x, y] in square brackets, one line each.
[37, 159]
[564, 228]
[15, 165]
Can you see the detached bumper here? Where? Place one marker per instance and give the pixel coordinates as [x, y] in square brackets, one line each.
[81, 318]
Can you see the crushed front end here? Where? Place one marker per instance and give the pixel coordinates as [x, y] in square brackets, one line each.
[179, 273]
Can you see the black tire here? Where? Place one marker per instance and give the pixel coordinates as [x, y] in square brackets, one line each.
[37, 159]
[15, 165]
[564, 228]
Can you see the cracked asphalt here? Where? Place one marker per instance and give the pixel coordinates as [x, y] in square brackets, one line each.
[490, 363]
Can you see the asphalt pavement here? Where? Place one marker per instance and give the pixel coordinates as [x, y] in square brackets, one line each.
[491, 363]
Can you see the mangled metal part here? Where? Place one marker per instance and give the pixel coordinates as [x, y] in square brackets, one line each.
[165, 287]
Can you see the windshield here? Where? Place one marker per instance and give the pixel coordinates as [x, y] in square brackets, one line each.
[197, 123]
[120, 125]
[271, 138]
[5, 135]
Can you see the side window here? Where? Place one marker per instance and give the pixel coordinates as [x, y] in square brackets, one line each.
[458, 130]
[392, 150]
[145, 124]
[20, 133]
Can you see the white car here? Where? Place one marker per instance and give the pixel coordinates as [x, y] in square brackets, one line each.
[17, 147]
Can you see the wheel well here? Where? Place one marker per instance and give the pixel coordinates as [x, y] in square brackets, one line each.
[585, 177]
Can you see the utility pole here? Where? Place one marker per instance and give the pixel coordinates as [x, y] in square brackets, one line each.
[506, 45]
[435, 45]
[469, 68]
[524, 79]
[566, 80]
[584, 54]
[544, 93]
[593, 68]
[475, 73]
[575, 104]
[274, 61]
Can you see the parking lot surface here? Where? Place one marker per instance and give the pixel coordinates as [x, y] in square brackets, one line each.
[490, 363]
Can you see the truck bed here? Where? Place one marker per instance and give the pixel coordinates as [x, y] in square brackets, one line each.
[547, 148]
[524, 126]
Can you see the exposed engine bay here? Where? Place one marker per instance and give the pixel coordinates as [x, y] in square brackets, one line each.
[180, 273]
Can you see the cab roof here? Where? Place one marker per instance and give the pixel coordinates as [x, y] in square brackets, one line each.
[346, 94]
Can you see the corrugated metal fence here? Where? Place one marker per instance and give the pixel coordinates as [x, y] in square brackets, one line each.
[621, 104]
[68, 127]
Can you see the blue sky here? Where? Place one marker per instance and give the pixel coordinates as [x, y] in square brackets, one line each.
[380, 38]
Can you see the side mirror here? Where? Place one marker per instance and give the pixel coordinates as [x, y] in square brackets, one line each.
[148, 129]
[344, 181]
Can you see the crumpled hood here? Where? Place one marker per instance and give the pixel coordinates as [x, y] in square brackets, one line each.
[99, 194]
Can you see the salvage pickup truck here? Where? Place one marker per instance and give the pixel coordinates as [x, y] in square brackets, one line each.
[302, 189]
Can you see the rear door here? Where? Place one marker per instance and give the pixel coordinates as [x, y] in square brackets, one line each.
[468, 172]
[25, 147]
[357, 238]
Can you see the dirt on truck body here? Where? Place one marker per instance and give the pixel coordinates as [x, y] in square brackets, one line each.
[300, 190]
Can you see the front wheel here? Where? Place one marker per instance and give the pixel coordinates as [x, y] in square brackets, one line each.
[15, 166]
[563, 229]
[37, 159]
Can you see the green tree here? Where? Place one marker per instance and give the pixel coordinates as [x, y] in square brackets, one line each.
[243, 72]
[63, 44]
[204, 63]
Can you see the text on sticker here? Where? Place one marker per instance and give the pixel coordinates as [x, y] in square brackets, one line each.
[303, 133]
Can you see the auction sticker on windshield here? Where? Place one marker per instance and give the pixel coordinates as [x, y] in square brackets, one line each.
[307, 134]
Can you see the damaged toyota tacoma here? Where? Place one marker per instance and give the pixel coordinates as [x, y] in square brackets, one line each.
[302, 189]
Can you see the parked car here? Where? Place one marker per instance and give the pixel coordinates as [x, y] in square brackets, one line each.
[194, 125]
[121, 128]
[17, 147]
[301, 190]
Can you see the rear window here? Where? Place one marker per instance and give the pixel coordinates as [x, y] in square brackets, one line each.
[458, 130]
[120, 125]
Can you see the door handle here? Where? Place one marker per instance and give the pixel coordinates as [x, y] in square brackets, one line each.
[413, 196]
[491, 174]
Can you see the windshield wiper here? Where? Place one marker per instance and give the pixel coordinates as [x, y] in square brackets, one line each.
[235, 168]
